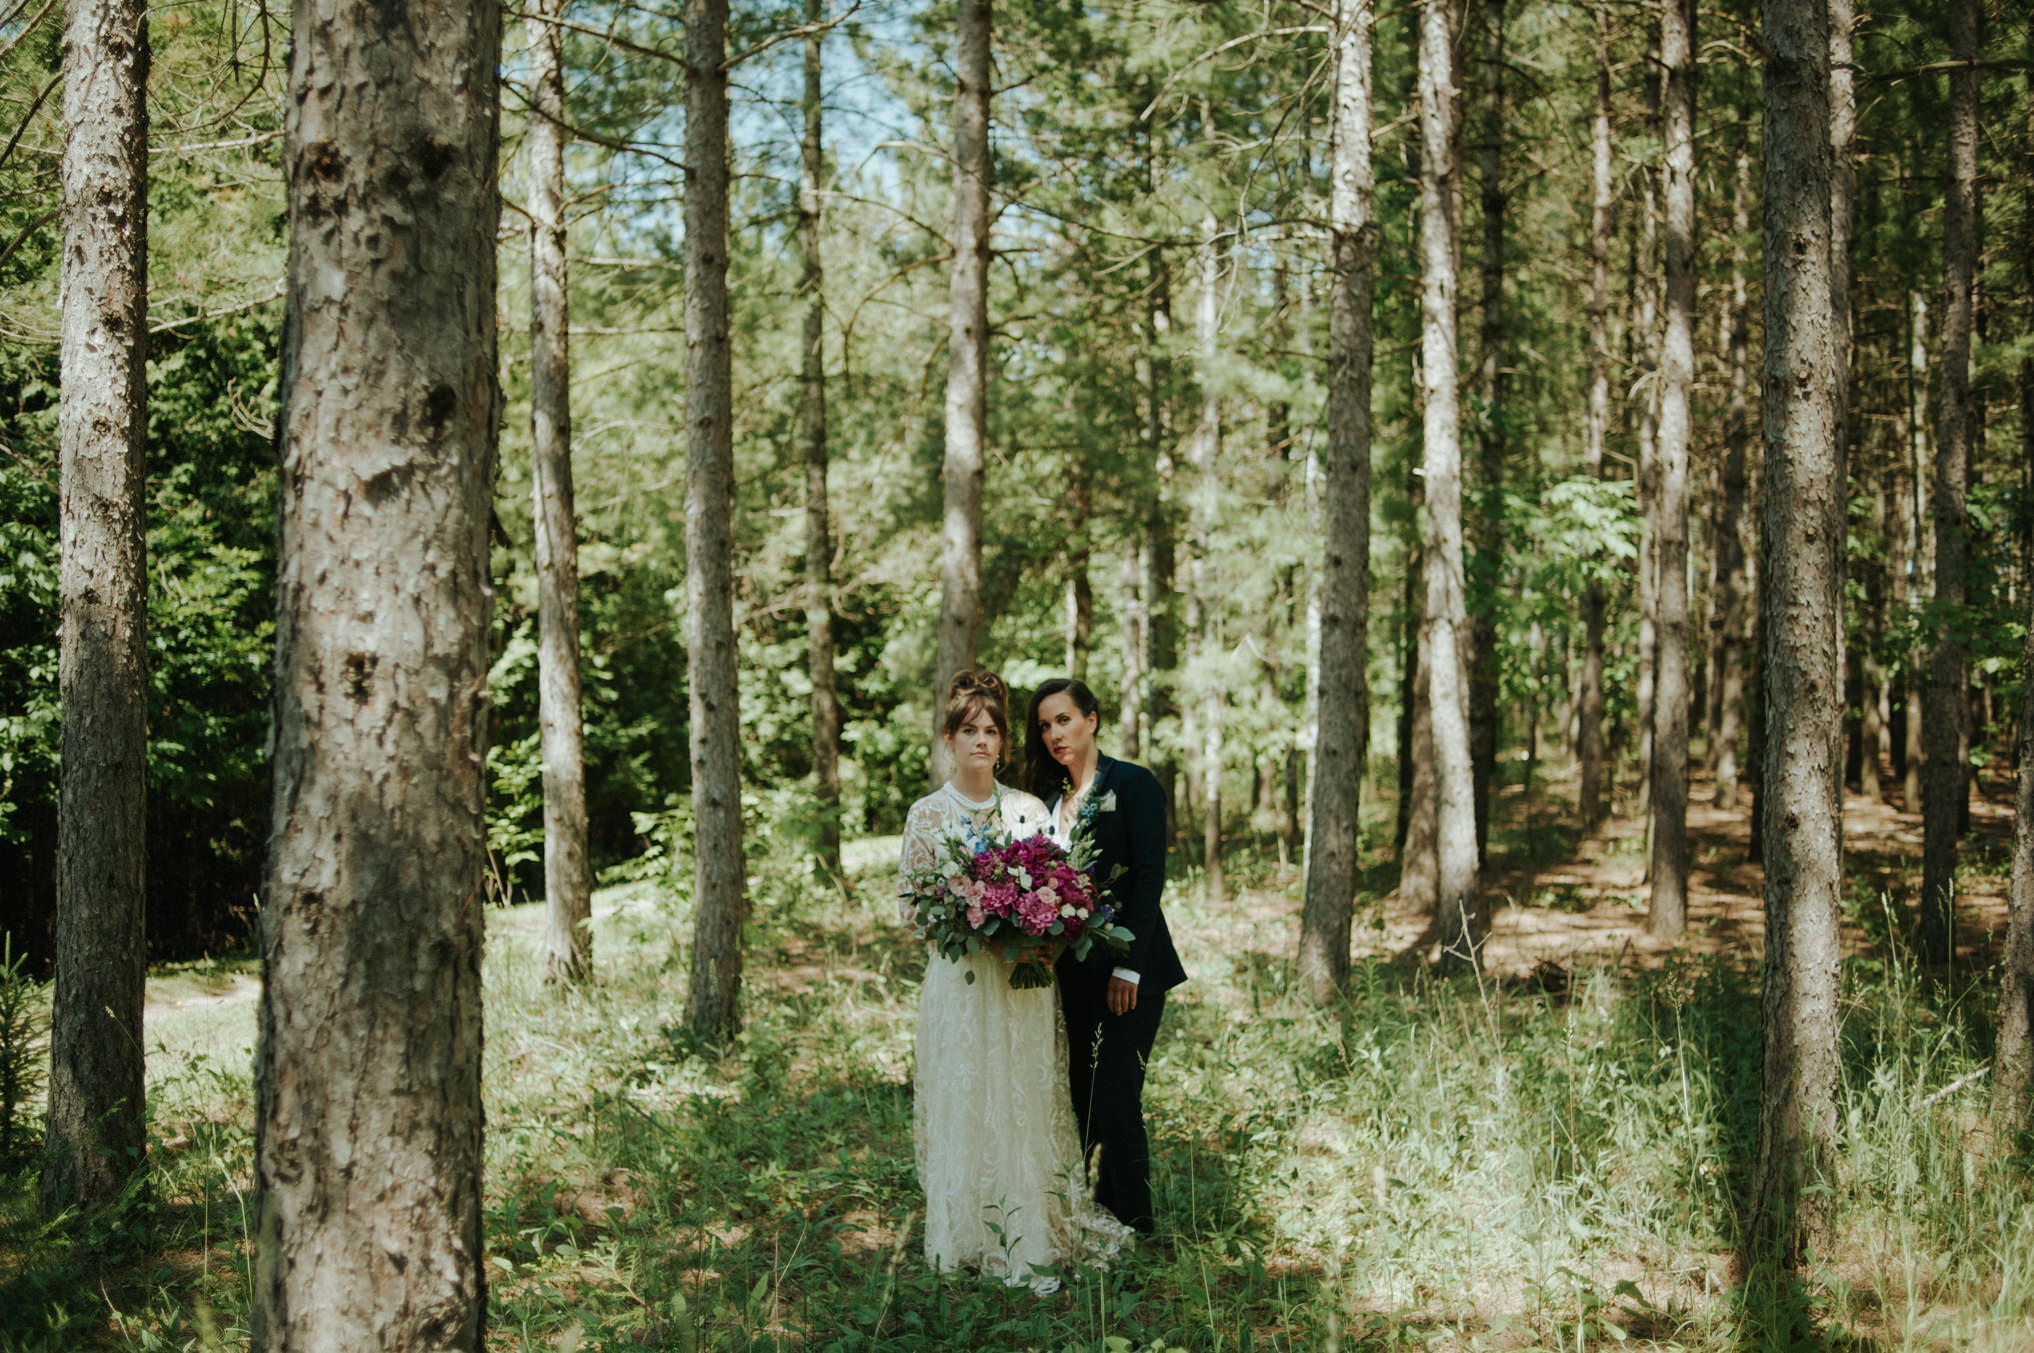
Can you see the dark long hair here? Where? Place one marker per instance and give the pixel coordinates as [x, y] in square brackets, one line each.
[1044, 776]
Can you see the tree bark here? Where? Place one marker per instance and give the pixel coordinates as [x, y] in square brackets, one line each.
[812, 430]
[1668, 914]
[1921, 453]
[1645, 341]
[1204, 733]
[367, 1072]
[1447, 613]
[1947, 724]
[1344, 593]
[719, 898]
[2012, 1105]
[1484, 723]
[1802, 574]
[967, 371]
[568, 881]
[1595, 426]
[1728, 606]
[1080, 593]
[1161, 613]
[94, 1134]
[1419, 879]
[1130, 724]
[1842, 211]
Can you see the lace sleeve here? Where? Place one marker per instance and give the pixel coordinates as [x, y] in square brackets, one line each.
[921, 826]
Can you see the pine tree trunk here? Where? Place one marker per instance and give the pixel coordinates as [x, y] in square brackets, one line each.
[1447, 612]
[1419, 869]
[967, 370]
[1161, 613]
[1669, 910]
[1344, 592]
[1080, 594]
[1491, 380]
[1947, 726]
[2012, 1103]
[719, 899]
[1842, 210]
[367, 1072]
[1802, 576]
[1130, 724]
[1646, 339]
[1204, 731]
[568, 881]
[1595, 427]
[94, 1135]
[812, 431]
[1921, 456]
[1728, 605]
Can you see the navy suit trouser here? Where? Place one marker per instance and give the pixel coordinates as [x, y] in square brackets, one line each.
[1105, 1067]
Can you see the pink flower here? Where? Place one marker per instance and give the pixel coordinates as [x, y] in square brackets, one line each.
[999, 898]
[976, 916]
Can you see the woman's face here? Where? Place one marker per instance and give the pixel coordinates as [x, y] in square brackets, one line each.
[1069, 734]
[977, 742]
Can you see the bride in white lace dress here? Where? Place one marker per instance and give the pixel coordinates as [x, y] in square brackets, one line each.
[993, 1128]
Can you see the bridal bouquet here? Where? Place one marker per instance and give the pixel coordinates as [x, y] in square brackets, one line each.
[1026, 895]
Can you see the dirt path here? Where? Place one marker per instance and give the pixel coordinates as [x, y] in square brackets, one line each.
[1591, 906]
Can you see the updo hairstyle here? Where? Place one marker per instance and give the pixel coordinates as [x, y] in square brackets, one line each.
[974, 692]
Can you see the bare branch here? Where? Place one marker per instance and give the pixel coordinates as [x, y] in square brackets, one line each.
[1216, 51]
[803, 30]
[29, 116]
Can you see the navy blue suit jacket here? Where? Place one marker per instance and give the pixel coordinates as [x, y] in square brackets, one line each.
[1132, 835]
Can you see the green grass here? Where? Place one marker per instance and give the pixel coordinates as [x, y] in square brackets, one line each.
[1438, 1164]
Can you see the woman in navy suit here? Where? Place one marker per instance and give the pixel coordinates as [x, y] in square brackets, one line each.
[1112, 1002]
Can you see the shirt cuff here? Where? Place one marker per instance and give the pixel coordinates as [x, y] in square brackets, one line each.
[1126, 974]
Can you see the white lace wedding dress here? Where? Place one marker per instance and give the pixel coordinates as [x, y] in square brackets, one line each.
[993, 1126]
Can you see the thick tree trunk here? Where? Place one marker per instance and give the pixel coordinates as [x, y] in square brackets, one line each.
[1669, 910]
[1802, 574]
[967, 370]
[1728, 605]
[1447, 613]
[1344, 592]
[1491, 382]
[1595, 426]
[1947, 726]
[367, 1073]
[719, 897]
[812, 431]
[568, 881]
[94, 1133]
[1204, 732]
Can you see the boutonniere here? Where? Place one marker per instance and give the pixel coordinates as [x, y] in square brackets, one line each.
[1108, 803]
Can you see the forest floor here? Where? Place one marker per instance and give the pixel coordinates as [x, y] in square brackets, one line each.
[1549, 1154]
